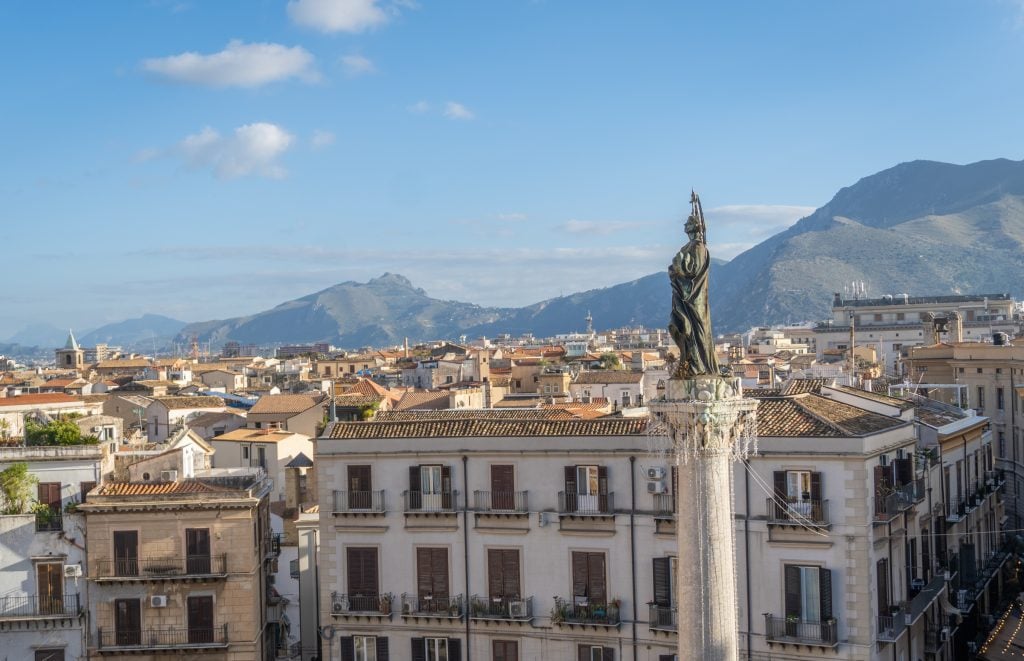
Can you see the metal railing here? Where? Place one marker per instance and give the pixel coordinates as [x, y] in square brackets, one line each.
[900, 498]
[49, 522]
[274, 544]
[343, 604]
[890, 627]
[164, 638]
[807, 512]
[586, 504]
[664, 504]
[430, 606]
[359, 501]
[501, 608]
[794, 630]
[934, 638]
[501, 501]
[580, 610]
[192, 565]
[418, 501]
[21, 606]
[662, 618]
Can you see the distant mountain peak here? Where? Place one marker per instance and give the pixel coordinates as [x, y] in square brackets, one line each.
[392, 280]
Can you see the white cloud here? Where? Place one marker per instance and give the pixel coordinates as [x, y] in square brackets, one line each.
[453, 110]
[734, 228]
[253, 149]
[238, 65]
[357, 65]
[419, 107]
[322, 139]
[512, 217]
[600, 226]
[337, 15]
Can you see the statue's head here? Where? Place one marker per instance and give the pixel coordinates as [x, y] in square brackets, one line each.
[692, 227]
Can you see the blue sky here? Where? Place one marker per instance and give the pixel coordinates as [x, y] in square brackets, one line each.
[204, 159]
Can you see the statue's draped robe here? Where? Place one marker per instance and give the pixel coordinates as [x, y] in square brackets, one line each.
[690, 325]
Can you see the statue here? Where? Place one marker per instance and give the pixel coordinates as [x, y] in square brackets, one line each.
[690, 324]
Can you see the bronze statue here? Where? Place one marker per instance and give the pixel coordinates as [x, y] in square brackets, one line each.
[690, 324]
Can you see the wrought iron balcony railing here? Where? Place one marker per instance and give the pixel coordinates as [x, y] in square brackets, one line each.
[806, 512]
[663, 618]
[501, 608]
[49, 522]
[794, 630]
[586, 504]
[432, 606]
[359, 501]
[165, 638]
[418, 501]
[664, 505]
[355, 604]
[580, 610]
[172, 567]
[34, 606]
[501, 501]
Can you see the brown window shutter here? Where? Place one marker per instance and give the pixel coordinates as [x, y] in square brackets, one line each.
[419, 649]
[494, 572]
[675, 487]
[882, 585]
[382, 649]
[609, 654]
[570, 480]
[414, 478]
[363, 579]
[446, 487]
[424, 578]
[904, 469]
[348, 648]
[454, 649]
[602, 488]
[580, 569]
[510, 573]
[780, 484]
[439, 572]
[816, 486]
[825, 593]
[793, 608]
[663, 582]
[598, 588]
[583, 653]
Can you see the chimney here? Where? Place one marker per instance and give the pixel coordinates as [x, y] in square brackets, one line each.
[956, 327]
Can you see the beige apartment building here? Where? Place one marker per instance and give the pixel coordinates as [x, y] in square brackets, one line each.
[178, 567]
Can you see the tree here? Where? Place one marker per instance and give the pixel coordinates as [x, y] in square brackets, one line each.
[5, 429]
[57, 432]
[610, 361]
[16, 486]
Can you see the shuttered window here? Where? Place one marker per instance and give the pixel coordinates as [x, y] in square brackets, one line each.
[663, 582]
[505, 650]
[503, 573]
[586, 488]
[797, 486]
[595, 653]
[588, 577]
[362, 571]
[432, 572]
[364, 648]
[882, 585]
[48, 493]
[808, 593]
[436, 649]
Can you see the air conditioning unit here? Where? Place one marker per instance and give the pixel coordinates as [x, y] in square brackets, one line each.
[517, 608]
[158, 601]
[656, 473]
[657, 487]
[169, 476]
[72, 571]
[944, 634]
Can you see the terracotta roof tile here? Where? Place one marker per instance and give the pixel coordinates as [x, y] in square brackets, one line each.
[422, 400]
[901, 404]
[609, 376]
[199, 402]
[284, 404]
[487, 428]
[812, 415]
[40, 398]
[797, 386]
[473, 414]
[155, 488]
[123, 363]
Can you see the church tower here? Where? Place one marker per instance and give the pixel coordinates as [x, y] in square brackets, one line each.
[72, 356]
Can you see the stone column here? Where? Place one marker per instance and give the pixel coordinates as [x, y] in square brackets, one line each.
[710, 424]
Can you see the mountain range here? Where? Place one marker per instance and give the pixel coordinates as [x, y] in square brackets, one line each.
[921, 227]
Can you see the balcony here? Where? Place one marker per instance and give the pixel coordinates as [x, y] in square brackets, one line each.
[664, 505]
[49, 522]
[506, 609]
[181, 638]
[30, 607]
[359, 502]
[193, 567]
[418, 502]
[662, 618]
[575, 504]
[352, 605]
[793, 631]
[899, 499]
[443, 608]
[934, 638]
[501, 502]
[957, 510]
[273, 544]
[804, 513]
[580, 611]
[891, 627]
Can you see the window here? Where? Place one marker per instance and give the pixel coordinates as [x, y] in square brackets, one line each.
[50, 587]
[126, 553]
[127, 622]
[363, 574]
[502, 574]
[589, 584]
[245, 451]
[595, 653]
[503, 487]
[808, 593]
[664, 590]
[436, 649]
[999, 399]
[882, 584]
[979, 370]
[981, 397]
[586, 489]
[360, 487]
[505, 650]
[800, 493]
[49, 655]
[432, 578]
[200, 620]
[625, 399]
[365, 648]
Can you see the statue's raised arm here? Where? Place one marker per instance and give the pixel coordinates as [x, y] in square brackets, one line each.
[690, 324]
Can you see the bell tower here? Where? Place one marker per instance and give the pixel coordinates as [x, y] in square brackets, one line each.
[72, 356]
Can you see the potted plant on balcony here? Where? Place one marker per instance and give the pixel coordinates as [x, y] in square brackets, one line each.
[385, 603]
[791, 625]
[560, 611]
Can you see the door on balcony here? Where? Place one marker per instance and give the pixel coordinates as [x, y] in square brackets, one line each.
[200, 619]
[664, 590]
[809, 597]
[801, 492]
[589, 586]
[586, 489]
[50, 588]
[48, 493]
[435, 488]
[503, 485]
[197, 550]
[126, 553]
[363, 578]
[127, 622]
[359, 488]
[432, 578]
[502, 575]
